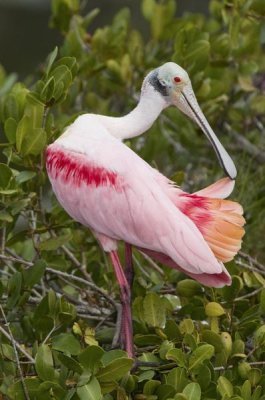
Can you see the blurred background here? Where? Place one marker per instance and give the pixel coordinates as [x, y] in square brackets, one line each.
[25, 37]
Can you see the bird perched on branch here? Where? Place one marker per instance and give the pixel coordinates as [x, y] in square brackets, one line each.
[107, 187]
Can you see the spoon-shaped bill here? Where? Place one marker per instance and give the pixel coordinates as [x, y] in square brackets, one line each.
[188, 104]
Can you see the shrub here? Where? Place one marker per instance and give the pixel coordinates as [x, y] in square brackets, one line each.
[58, 293]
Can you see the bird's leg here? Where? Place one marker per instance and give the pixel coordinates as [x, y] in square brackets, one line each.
[125, 291]
[129, 273]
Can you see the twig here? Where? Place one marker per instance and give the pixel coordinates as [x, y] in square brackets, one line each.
[72, 257]
[246, 144]
[140, 267]
[51, 332]
[153, 264]
[83, 281]
[9, 337]
[252, 260]
[64, 274]
[69, 254]
[254, 363]
[249, 294]
[253, 269]
[14, 259]
[15, 346]
[3, 240]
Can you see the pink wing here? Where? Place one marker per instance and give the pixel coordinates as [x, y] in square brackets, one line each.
[117, 194]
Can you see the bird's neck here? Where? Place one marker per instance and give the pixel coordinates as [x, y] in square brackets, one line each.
[139, 119]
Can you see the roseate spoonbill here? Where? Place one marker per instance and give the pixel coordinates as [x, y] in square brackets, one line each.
[107, 187]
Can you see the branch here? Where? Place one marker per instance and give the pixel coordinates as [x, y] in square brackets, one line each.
[153, 264]
[245, 144]
[249, 294]
[15, 347]
[249, 267]
[252, 260]
[83, 281]
[16, 259]
[64, 274]
[254, 363]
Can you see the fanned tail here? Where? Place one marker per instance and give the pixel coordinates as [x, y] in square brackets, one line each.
[220, 221]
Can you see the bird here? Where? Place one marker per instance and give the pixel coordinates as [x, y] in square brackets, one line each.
[108, 188]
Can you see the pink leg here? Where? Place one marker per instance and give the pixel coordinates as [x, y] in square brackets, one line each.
[129, 264]
[125, 291]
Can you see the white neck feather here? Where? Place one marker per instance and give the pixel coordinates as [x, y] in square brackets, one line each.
[139, 119]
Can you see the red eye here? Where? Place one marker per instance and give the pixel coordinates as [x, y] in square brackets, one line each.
[177, 79]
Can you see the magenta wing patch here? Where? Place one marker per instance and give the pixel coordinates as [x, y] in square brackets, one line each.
[74, 168]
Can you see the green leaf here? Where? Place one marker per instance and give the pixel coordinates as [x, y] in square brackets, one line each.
[213, 309]
[188, 288]
[150, 387]
[178, 356]
[224, 386]
[148, 7]
[254, 376]
[186, 326]
[16, 391]
[69, 62]
[154, 310]
[177, 377]
[198, 54]
[66, 343]
[115, 370]
[70, 363]
[90, 17]
[10, 128]
[5, 216]
[47, 388]
[257, 393]
[180, 396]
[29, 140]
[14, 289]
[9, 82]
[147, 340]
[51, 58]
[62, 76]
[246, 390]
[48, 90]
[202, 353]
[44, 363]
[213, 338]
[204, 376]
[34, 274]
[112, 355]
[262, 301]
[5, 176]
[243, 369]
[54, 243]
[226, 342]
[165, 391]
[11, 107]
[90, 391]
[25, 176]
[192, 391]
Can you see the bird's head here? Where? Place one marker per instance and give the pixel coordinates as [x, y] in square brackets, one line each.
[173, 83]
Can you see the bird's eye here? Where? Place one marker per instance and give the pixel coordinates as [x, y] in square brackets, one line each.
[177, 79]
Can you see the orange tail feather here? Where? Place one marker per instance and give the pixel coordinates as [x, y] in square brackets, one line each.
[220, 221]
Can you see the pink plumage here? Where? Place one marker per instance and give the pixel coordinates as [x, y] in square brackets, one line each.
[107, 187]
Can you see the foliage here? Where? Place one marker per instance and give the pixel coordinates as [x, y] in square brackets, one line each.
[58, 292]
